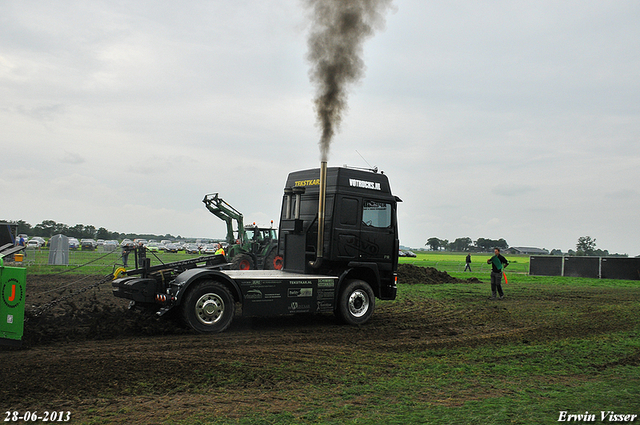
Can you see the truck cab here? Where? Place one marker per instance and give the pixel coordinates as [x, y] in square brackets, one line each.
[361, 236]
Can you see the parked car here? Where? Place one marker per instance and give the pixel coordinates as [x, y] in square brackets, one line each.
[192, 248]
[126, 242]
[401, 254]
[410, 254]
[210, 248]
[74, 243]
[153, 246]
[171, 248]
[88, 244]
[33, 243]
[110, 245]
[36, 242]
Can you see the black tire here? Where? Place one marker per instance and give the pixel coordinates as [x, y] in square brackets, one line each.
[243, 262]
[356, 303]
[273, 261]
[208, 307]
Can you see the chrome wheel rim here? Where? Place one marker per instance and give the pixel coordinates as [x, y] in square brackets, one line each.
[209, 308]
[358, 303]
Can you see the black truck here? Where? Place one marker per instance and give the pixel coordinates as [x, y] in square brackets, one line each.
[339, 241]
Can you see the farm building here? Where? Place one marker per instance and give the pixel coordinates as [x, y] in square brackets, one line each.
[524, 250]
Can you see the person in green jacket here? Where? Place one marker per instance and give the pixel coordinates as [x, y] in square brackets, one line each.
[498, 262]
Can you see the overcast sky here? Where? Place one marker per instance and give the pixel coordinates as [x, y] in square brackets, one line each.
[503, 119]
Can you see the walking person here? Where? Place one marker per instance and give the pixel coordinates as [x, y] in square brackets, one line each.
[498, 262]
[468, 261]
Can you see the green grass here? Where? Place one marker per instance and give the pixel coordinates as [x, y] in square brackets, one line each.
[453, 262]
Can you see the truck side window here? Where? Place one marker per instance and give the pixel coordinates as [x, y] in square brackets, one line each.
[349, 212]
[376, 214]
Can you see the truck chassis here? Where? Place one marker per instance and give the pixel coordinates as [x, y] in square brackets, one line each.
[206, 292]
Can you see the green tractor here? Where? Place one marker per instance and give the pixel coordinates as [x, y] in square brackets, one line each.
[254, 248]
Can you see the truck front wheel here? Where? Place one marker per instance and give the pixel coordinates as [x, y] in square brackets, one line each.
[208, 308]
[356, 303]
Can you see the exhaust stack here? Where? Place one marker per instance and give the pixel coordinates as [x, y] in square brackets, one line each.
[321, 210]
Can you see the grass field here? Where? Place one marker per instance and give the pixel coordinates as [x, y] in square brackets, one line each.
[438, 354]
[452, 262]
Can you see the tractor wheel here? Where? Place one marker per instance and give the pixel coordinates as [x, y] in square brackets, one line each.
[242, 262]
[208, 307]
[356, 302]
[273, 261]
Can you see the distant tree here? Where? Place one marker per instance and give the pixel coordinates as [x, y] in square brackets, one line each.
[434, 243]
[49, 228]
[80, 231]
[502, 244]
[46, 228]
[585, 246]
[483, 244]
[489, 244]
[104, 234]
[445, 244]
[461, 244]
[23, 227]
[556, 252]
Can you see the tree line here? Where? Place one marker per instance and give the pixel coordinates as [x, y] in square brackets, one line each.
[586, 246]
[466, 244]
[49, 228]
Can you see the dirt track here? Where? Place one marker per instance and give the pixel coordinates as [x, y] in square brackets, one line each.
[92, 353]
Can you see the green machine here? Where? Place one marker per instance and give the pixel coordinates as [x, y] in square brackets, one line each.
[12, 284]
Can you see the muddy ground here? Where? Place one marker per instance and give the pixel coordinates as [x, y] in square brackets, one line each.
[91, 354]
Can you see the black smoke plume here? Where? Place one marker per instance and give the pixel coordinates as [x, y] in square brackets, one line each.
[338, 31]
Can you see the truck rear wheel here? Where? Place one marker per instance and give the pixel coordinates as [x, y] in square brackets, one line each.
[209, 307]
[356, 303]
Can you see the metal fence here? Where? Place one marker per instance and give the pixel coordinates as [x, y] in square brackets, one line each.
[594, 267]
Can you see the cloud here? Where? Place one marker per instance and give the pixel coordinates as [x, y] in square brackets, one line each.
[71, 158]
[622, 194]
[511, 190]
[42, 112]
